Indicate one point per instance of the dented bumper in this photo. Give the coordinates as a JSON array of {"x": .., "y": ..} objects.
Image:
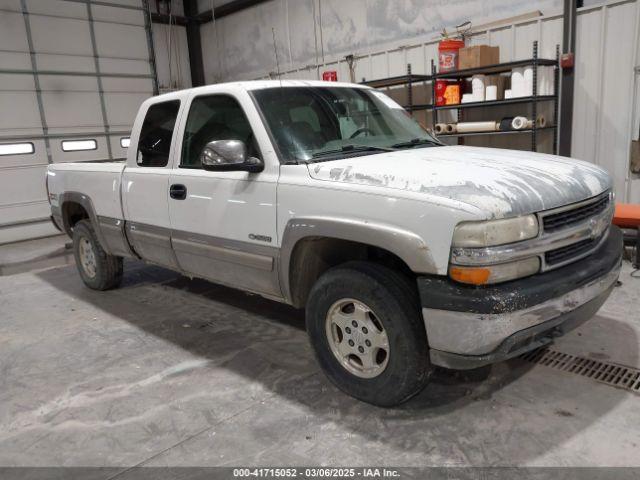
[{"x": 468, "y": 327}]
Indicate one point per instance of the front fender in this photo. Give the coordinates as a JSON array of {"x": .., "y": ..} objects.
[{"x": 405, "y": 244}]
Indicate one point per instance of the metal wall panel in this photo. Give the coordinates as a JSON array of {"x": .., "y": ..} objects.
[
  {"x": 614, "y": 106},
  {"x": 69, "y": 70}
]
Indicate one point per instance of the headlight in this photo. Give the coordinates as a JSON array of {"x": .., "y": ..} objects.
[
  {"x": 495, "y": 273},
  {"x": 495, "y": 232}
]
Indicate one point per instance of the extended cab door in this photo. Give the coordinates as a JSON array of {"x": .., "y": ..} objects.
[
  {"x": 145, "y": 183},
  {"x": 224, "y": 223}
]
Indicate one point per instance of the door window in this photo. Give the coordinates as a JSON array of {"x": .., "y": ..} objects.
[
  {"x": 155, "y": 136},
  {"x": 214, "y": 117}
]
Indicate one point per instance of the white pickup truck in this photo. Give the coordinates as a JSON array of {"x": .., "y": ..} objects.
[{"x": 405, "y": 253}]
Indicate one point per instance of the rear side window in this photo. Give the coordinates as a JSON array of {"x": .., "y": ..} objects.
[{"x": 155, "y": 136}]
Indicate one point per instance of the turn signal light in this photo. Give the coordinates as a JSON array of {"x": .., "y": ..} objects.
[
  {"x": 475, "y": 276},
  {"x": 495, "y": 273}
]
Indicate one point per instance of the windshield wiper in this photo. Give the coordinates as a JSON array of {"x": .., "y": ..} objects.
[
  {"x": 352, "y": 148},
  {"x": 415, "y": 142}
]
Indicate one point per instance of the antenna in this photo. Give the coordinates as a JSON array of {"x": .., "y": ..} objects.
[{"x": 275, "y": 51}]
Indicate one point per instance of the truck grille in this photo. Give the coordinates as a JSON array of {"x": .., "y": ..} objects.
[
  {"x": 567, "y": 218},
  {"x": 562, "y": 254}
]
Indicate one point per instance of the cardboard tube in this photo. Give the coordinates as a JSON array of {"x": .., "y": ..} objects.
[
  {"x": 466, "y": 127},
  {"x": 451, "y": 128},
  {"x": 440, "y": 128},
  {"x": 519, "y": 123},
  {"x": 505, "y": 124},
  {"x": 541, "y": 122}
]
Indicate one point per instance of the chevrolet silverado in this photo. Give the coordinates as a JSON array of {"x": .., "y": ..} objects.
[{"x": 406, "y": 253}]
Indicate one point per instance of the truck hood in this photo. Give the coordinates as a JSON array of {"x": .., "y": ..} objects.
[{"x": 499, "y": 182}]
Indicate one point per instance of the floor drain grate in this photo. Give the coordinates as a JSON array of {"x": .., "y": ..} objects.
[{"x": 618, "y": 376}]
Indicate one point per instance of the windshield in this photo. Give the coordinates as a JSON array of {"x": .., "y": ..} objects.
[{"x": 323, "y": 123}]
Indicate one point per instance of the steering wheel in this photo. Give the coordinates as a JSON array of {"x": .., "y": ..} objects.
[{"x": 360, "y": 131}]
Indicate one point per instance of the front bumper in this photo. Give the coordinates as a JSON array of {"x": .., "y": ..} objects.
[{"x": 468, "y": 327}]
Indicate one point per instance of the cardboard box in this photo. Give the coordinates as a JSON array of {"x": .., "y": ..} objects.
[{"x": 478, "y": 56}]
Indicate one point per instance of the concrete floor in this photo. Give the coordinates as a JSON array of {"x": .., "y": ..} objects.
[{"x": 172, "y": 371}]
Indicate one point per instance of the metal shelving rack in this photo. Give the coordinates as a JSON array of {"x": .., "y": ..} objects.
[
  {"x": 532, "y": 100},
  {"x": 409, "y": 79}
]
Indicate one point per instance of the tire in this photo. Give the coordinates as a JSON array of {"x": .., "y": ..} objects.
[
  {"x": 341, "y": 294},
  {"x": 98, "y": 269}
]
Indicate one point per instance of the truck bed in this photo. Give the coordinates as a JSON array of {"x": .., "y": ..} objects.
[{"x": 99, "y": 181}]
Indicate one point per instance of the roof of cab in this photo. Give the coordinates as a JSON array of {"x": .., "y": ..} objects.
[{"x": 253, "y": 85}]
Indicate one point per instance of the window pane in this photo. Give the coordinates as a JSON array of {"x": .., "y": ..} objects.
[
  {"x": 315, "y": 121},
  {"x": 156, "y": 133},
  {"x": 16, "y": 148},
  {"x": 215, "y": 117},
  {"x": 77, "y": 145}
]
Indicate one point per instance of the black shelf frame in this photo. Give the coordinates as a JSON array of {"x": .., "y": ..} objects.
[
  {"x": 492, "y": 103},
  {"x": 532, "y": 100},
  {"x": 409, "y": 79},
  {"x": 499, "y": 67},
  {"x": 397, "y": 81},
  {"x": 496, "y": 132},
  {"x": 419, "y": 106}
]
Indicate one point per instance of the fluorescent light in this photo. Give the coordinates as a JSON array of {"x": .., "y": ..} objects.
[
  {"x": 124, "y": 142},
  {"x": 16, "y": 148},
  {"x": 76, "y": 145}
]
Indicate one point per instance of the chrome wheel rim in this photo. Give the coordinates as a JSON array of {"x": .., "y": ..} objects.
[
  {"x": 357, "y": 338},
  {"x": 87, "y": 257}
]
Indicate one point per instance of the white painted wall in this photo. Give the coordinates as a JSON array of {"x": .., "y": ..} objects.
[
  {"x": 241, "y": 45},
  {"x": 385, "y": 36}
]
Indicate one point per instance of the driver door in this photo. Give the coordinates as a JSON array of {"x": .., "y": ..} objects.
[{"x": 224, "y": 223}]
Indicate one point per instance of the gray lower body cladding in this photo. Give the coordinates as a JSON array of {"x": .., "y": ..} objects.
[{"x": 468, "y": 327}]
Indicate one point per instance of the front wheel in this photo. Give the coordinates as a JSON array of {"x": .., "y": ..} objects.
[
  {"x": 98, "y": 269},
  {"x": 367, "y": 332}
]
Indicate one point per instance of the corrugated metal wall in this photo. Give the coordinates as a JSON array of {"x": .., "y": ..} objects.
[
  {"x": 69, "y": 70},
  {"x": 607, "y": 52}
]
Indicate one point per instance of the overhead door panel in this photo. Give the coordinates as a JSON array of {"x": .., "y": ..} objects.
[{"x": 72, "y": 75}]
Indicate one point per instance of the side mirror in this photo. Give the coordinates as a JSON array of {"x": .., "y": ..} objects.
[{"x": 229, "y": 155}]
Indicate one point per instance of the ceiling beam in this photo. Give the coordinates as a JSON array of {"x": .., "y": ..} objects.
[
  {"x": 222, "y": 11},
  {"x": 227, "y": 9},
  {"x": 169, "y": 19},
  {"x": 194, "y": 43}
]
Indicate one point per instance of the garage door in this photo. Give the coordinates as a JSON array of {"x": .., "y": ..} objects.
[{"x": 72, "y": 75}]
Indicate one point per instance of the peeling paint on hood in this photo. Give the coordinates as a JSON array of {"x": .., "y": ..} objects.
[{"x": 499, "y": 182}]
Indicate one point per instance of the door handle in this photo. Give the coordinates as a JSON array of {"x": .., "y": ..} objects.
[{"x": 178, "y": 192}]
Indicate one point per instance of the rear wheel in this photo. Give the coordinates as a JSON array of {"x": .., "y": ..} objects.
[
  {"x": 98, "y": 269},
  {"x": 366, "y": 329}
]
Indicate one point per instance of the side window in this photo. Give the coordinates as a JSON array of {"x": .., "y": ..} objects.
[
  {"x": 214, "y": 117},
  {"x": 156, "y": 133}
]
